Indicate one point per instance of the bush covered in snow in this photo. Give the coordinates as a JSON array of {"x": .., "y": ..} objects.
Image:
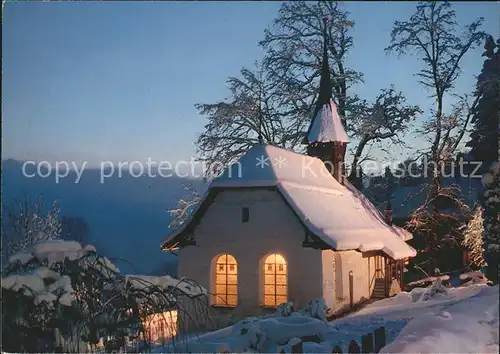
[
  {"x": 316, "y": 309},
  {"x": 58, "y": 285},
  {"x": 285, "y": 309},
  {"x": 425, "y": 294},
  {"x": 250, "y": 331}
]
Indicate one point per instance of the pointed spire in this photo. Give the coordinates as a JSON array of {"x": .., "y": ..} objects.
[
  {"x": 390, "y": 184},
  {"x": 326, "y": 125},
  {"x": 325, "y": 86}
]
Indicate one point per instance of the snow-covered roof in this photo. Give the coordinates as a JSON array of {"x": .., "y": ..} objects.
[
  {"x": 267, "y": 165},
  {"x": 340, "y": 216},
  {"x": 326, "y": 125}
]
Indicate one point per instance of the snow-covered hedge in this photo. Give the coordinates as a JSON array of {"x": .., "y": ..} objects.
[{"x": 60, "y": 284}]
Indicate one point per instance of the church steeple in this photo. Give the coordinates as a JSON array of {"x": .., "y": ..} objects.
[
  {"x": 325, "y": 85},
  {"x": 390, "y": 185},
  {"x": 326, "y": 137}
]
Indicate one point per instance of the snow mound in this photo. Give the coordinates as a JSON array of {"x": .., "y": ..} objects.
[
  {"x": 473, "y": 278},
  {"x": 286, "y": 309},
  {"x": 57, "y": 251},
  {"x": 261, "y": 335},
  {"x": 469, "y": 326},
  {"x": 471, "y": 275},
  {"x": 52, "y": 251},
  {"x": 316, "y": 309},
  {"x": 429, "y": 280},
  {"x": 43, "y": 285},
  {"x": 437, "y": 289}
]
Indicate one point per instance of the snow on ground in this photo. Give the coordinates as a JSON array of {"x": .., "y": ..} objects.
[
  {"x": 466, "y": 326},
  {"x": 462, "y": 320},
  {"x": 465, "y": 320}
]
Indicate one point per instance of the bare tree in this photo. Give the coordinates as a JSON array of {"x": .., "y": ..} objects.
[
  {"x": 387, "y": 118},
  {"x": 27, "y": 223},
  {"x": 431, "y": 33},
  {"x": 184, "y": 206},
  {"x": 252, "y": 112},
  {"x": 276, "y": 99},
  {"x": 294, "y": 45}
]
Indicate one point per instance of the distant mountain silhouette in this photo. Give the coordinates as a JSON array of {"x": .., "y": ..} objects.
[{"x": 127, "y": 216}]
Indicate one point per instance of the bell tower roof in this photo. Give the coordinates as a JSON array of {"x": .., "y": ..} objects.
[{"x": 326, "y": 125}]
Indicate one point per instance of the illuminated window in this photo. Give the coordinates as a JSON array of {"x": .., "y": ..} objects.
[
  {"x": 226, "y": 281},
  {"x": 275, "y": 280},
  {"x": 160, "y": 326}
]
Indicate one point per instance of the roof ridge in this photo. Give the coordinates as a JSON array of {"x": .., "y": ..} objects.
[{"x": 311, "y": 187}]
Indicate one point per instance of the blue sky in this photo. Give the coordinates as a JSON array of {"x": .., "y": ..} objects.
[{"x": 119, "y": 80}]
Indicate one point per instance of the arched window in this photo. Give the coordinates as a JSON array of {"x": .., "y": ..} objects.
[
  {"x": 275, "y": 280},
  {"x": 226, "y": 281}
]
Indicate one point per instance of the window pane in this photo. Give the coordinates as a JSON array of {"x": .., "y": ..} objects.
[
  {"x": 232, "y": 300},
  {"x": 271, "y": 258},
  {"x": 220, "y": 300},
  {"x": 269, "y": 290},
  {"x": 220, "y": 289},
  {"x": 269, "y": 279},
  {"x": 231, "y": 259},
  {"x": 220, "y": 279},
  {"x": 269, "y": 300},
  {"x": 232, "y": 279},
  {"x": 280, "y": 259},
  {"x": 269, "y": 268},
  {"x": 232, "y": 289},
  {"x": 281, "y": 279},
  {"x": 280, "y": 290}
]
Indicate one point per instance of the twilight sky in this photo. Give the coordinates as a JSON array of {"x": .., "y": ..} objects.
[{"x": 118, "y": 80}]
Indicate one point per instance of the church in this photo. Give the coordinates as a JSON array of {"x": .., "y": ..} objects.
[{"x": 278, "y": 226}]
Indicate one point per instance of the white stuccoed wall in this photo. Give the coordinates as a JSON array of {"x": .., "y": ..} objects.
[
  {"x": 273, "y": 228},
  {"x": 336, "y": 268},
  {"x": 355, "y": 262}
]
